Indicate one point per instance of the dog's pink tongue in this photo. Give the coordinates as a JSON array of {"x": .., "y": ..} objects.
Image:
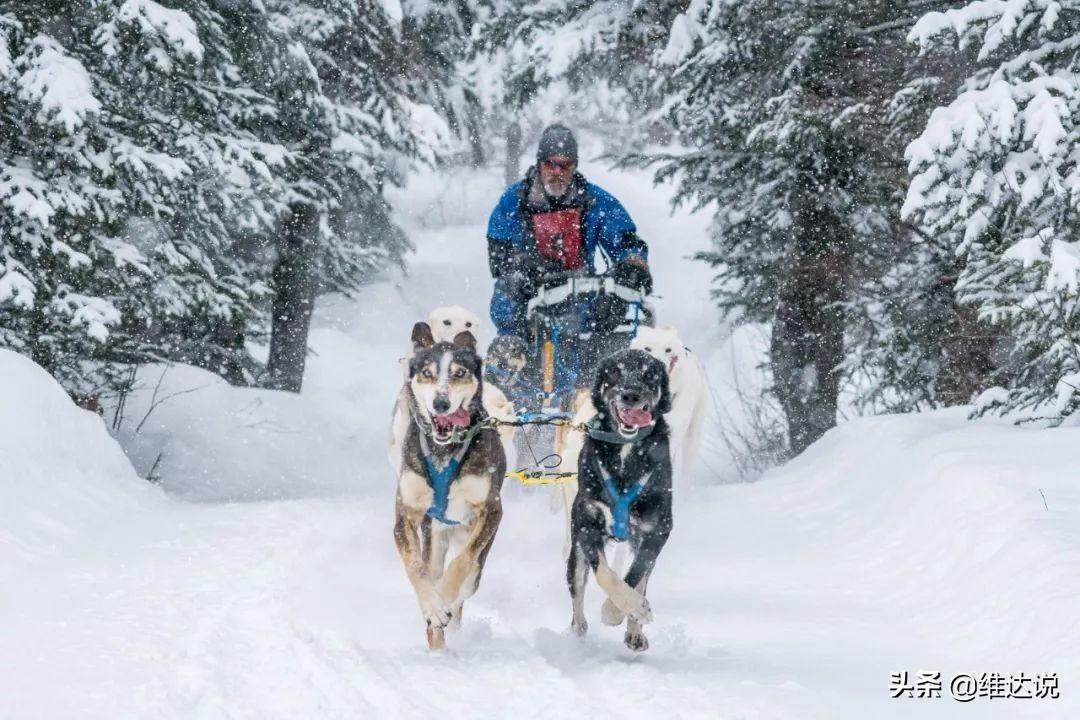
[
  {"x": 635, "y": 417},
  {"x": 459, "y": 418}
]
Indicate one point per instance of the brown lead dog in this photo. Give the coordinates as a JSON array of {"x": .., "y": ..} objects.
[{"x": 452, "y": 469}]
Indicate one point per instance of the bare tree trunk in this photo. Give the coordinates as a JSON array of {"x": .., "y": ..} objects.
[
  {"x": 294, "y": 299},
  {"x": 808, "y": 329},
  {"x": 224, "y": 353},
  {"x": 476, "y": 139},
  {"x": 968, "y": 357},
  {"x": 513, "y": 152}
]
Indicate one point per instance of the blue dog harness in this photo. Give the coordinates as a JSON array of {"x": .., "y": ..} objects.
[
  {"x": 441, "y": 480},
  {"x": 620, "y": 501}
]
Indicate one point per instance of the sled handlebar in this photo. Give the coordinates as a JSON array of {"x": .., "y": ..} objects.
[{"x": 587, "y": 286}]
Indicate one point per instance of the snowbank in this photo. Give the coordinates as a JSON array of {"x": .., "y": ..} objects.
[
  {"x": 962, "y": 537},
  {"x": 61, "y": 475},
  {"x": 203, "y": 439}
]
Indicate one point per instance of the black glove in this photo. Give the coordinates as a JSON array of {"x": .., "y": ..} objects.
[
  {"x": 519, "y": 284},
  {"x": 527, "y": 272},
  {"x": 633, "y": 273}
]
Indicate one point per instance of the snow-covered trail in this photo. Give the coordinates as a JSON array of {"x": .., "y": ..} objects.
[{"x": 896, "y": 544}]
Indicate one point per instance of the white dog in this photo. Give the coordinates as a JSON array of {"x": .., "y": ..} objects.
[
  {"x": 445, "y": 323},
  {"x": 686, "y": 379}
]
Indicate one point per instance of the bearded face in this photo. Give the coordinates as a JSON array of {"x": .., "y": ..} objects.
[{"x": 556, "y": 174}]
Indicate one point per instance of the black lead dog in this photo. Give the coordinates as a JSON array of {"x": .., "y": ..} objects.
[{"x": 624, "y": 494}]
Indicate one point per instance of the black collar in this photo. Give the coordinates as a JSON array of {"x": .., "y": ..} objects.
[{"x": 616, "y": 438}]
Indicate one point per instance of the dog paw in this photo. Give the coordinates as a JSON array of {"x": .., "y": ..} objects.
[
  {"x": 579, "y": 627},
  {"x": 636, "y": 641},
  {"x": 436, "y": 638},
  {"x": 634, "y": 605},
  {"x": 610, "y": 614},
  {"x": 434, "y": 609},
  {"x": 455, "y": 617}
]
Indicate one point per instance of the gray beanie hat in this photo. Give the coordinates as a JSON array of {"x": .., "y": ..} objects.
[{"x": 557, "y": 140}]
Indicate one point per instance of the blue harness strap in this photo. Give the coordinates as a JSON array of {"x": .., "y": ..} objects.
[
  {"x": 440, "y": 483},
  {"x": 620, "y": 505},
  {"x": 441, "y": 480},
  {"x": 543, "y": 416},
  {"x": 620, "y": 501}
]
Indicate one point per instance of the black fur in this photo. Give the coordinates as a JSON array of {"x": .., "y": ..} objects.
[{"x": 635, "y": 374}]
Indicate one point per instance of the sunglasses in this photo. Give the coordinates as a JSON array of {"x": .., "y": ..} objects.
[{"x": 559, "y": 164}]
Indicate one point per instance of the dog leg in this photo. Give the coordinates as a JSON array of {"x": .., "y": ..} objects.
[
  {"x": 436, "y": 637},
  {"x": 635, "y": 636},
  {"x": 410, "y": 536},
  {"x": 435, "y": 553},
  {"x": 577, "y": 572},
  {"x": 463, "y": 574},
  {"x": 399, "y": 427},
  {"x": 568, "y": 491},
  {"x": 457, "y": 608},
  {"x": 455, "y": 616},
  {"x": 611, "y": 615},
  {"x": 623, "y": 596},
  {"x": 638, "y": 577},
  {"x": 588, "y": 532},
  {"x": 628, "y": 600}
]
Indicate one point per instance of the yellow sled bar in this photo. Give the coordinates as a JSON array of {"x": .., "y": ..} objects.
[
  {"x": 549, "y": 366},
  {"x": 539, "y": 477}
]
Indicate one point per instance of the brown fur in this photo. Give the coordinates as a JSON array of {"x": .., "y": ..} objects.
[{"x": 423, "y": 543}]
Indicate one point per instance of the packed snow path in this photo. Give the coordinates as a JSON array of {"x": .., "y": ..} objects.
[{"x": 896, "y": 544}]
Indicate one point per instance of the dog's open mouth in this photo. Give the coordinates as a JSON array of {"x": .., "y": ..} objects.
[
  {"x": 630, "y": 420},
  {"x": 444, "y": 424}
]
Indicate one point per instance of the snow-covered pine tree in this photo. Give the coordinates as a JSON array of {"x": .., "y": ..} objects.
[
  {"x": 996, "y": 176},
  {"x": 157, "y": 158},
  {"x": 910, "y": 344},
  {"x": 176, "y": 82},
  {"x": 790, "y": 111},
  {"x": 57, "y": 290},
  {"x": 352, "y": 120},
  {"x": 103, "y": 151},
  {"x": 437, "y": 37},
  {"x": 593, "y": 59}
]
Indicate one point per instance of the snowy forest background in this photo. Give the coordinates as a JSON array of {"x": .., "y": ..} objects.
[{"x": 894, "y": 184}]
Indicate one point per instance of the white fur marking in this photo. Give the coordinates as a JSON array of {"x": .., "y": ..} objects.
[
  {"x": 415, "y": 491},
  {"x": 444, "y": 371}
]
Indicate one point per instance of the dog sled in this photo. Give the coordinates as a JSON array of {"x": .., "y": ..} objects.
[{"x": 573, "y": 322}]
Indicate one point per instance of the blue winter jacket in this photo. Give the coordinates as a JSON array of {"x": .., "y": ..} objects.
[{"x": 606, "y": 225}]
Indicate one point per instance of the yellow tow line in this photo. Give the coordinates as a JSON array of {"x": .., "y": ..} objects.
[{"x": 540, "y": 477}]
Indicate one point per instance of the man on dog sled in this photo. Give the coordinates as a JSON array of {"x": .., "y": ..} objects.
[
  {"x": 547, "y": 228},
  {"x": 542, "y": 239}
]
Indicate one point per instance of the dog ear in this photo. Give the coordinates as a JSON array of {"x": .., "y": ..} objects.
[
  {"x": 421, "y": 336},
  {"x": 607, "y": 374},
  {"x": 465, "y": 339},
  {"x": 664, "y": 406}
]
